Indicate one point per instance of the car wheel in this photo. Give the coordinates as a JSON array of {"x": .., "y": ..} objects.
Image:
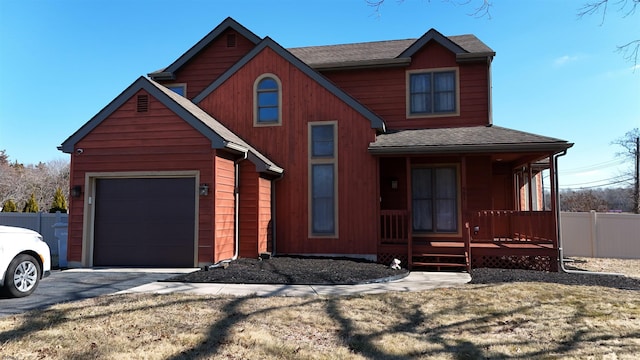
[{"x": 23, "y": 275}]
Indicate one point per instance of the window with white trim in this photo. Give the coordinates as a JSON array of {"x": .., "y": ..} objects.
[
  {"x": 323, "y": 179},
  {"x": 267, "y": 100},
  {"x": 432, "y": 93}
]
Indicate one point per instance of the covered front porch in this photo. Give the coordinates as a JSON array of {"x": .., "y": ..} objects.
[
  {"x": 522, "y": 242},
  {"x": 444, "y": 208}
]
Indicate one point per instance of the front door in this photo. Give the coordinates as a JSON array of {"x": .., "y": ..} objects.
[{"x": 435, "y": 197}]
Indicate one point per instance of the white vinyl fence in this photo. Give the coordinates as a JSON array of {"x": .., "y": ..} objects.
[
  {"x": 42, "y": 223},
  {"x": 600, "y": 235}
]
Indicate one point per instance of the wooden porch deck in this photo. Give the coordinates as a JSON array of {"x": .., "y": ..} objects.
[{"x": 509, "y": 239}]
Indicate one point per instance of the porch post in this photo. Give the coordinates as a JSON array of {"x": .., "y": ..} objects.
[
  {"x": 466, "y": 234},
  {"x": 463, "y": 185},
  {"x": 554, "y": 205},
  {"x": 530, "y": 186},
  {"x": 409, "y": 215}
]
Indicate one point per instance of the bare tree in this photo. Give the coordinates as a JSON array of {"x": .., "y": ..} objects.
[
  {"x": 630, "y": 144},
  {"x": 480, "y": 9},
  {"x": 629, "y": 51},
  {"x": 628, "y": 8},
  {"x": 19, "y": 181},
  {"x": 581, "y": 201}
]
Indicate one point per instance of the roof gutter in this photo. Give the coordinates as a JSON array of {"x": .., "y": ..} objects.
[
  {"x": 476, "y": 56},
  {"x": 162, "y": 75},
  {"x": 233, "y": 147},
  {"x": 362, "y": 64},
  {"x": 480, "y": 148}
]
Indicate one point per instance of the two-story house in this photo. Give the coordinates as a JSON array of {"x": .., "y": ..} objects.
[{"x": 376, "y": 150}]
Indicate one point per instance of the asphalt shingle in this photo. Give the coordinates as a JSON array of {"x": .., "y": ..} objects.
[
  {"x": 475, "y": 138},
  {"x": 377, "y": 50}
]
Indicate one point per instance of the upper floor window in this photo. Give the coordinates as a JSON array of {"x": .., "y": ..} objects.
[
  {"x": 180, "y": 89},
  {"x": 322, "y": 144},
  {"x": 323, "y": 184},
  {"x": 433, "y": 93},
  {"x": 267, "y": 100}
]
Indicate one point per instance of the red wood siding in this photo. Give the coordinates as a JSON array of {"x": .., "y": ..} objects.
[
  {"x": 255, "y": 211},
  {"x": 502, "y": 182},
  {"x": 393, "y": 169},
  {"x": 248, "y": 219},
  {"x": 305, "y": 101},
  {"x": 384, "y": 90},
  {"x": 224, "y": 218},
  {"x": 479, "y": 186},
  {"x": 144, "y": 142},
  {"x": 211, "y": 62},
  {"x": 264, "y": 214}
]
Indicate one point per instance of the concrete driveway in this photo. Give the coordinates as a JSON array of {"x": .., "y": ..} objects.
[{"x": 78, "y": 284}]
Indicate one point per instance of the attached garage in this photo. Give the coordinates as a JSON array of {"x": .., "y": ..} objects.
[
  {"x": 155, "y": 181},
  {"x": 145, "y": 222}
]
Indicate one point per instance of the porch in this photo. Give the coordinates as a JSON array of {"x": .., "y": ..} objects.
[
  {"x": 459, "y": 198},
  {"x": 491, "y": 238}
]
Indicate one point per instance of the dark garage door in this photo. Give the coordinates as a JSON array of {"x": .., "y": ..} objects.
[{"x": 144, "y": 222}]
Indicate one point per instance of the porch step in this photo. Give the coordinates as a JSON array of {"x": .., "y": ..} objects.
[
  {"x": 438, "y": 264},
  {"x": 440, "y": 261},
  {"x": 430, "y": 255}
]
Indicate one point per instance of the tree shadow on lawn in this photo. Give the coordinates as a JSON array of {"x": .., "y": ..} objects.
[
  {"x": 449, "y": 338},
  {"x": 431, "y": 333}
]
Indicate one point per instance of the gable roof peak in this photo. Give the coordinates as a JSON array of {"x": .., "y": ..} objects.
[
  {"x": 376, "y": 121},
  {"x": 228, "y": 23},
  {"x": 218, "y": 134},
  {"x": 430, "y": 35}
]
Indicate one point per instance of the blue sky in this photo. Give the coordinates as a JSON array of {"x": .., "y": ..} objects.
[{"x": 553, "y": 75}]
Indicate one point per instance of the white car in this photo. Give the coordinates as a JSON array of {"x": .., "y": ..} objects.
[{"x": 24, "y": 259}]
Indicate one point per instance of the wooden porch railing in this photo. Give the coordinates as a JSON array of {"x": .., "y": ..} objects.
[
  {"x": 394, "y": 226},
  {"x": 513, "y": 226},
  {"x": 484, "y": 225}
]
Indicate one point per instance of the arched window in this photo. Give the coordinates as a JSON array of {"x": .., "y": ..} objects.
[{"x": 267, "y": 100}]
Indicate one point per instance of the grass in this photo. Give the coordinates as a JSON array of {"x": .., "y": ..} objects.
[{"x": 514, "y": 320}]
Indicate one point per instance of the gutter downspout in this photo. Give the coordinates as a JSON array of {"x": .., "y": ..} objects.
[
  {"x": 559, "y": 231},
  {"x": 236, "y": 220},
  {"x": 273, "y": 213}
]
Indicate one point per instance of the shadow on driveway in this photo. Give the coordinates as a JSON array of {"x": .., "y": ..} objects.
[{"x": 78, "y": 284}]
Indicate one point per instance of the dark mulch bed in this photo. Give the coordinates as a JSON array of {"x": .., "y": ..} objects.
[
  {"x": 295, "y": 270},
  {"x": 493, "y": 276}
]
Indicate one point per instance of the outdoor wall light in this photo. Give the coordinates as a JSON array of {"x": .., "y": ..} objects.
[
  {"x": 76, "y": 191},
  {"x": 204, "y": 189},
  {"x": 394, "y": 184}
]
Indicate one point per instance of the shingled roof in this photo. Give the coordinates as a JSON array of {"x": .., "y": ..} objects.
[
  {"x": 385, "y": 52},
  {"x": 464, "y": 139}
]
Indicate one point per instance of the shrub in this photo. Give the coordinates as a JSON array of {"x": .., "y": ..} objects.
[
  {"x": 31, "y": 205},
  {"x": 9, "y": 206},
  {"x": 59, "y": 202}
]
